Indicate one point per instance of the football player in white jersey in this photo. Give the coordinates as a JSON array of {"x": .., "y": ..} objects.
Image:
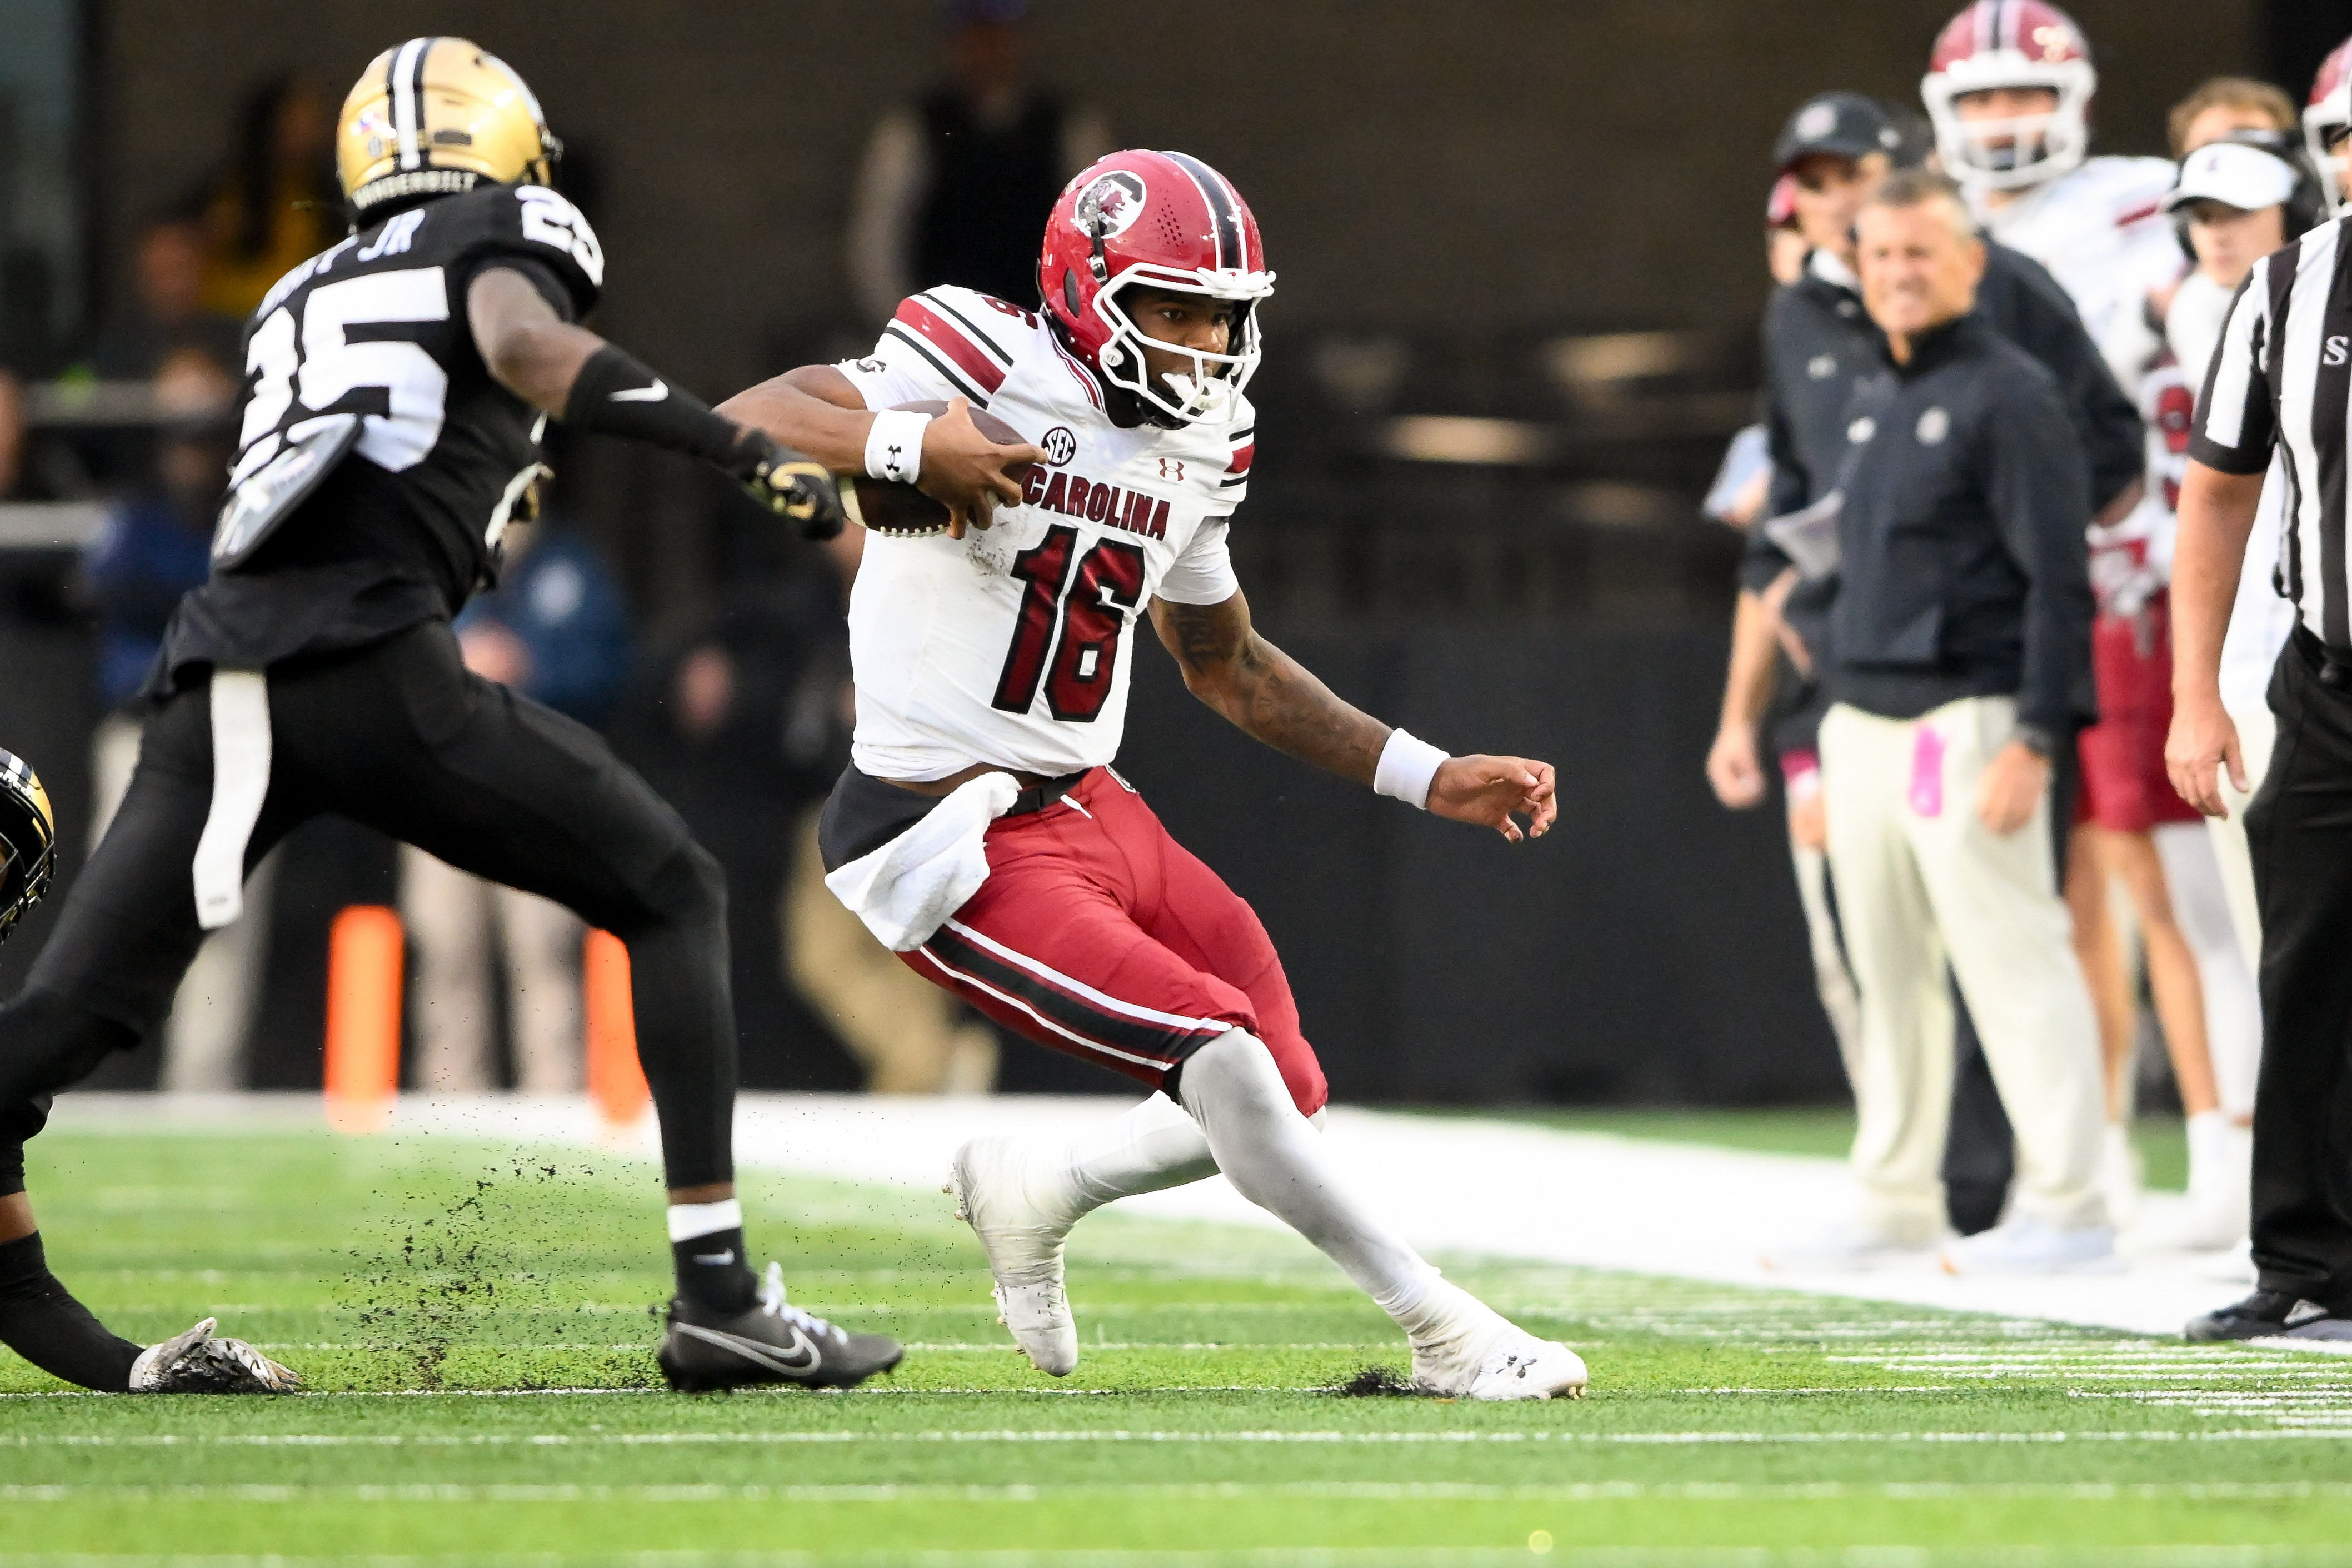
[
  {"x": 2009, "y": 88},
  {"x": 2325, "y": 121},
  {"x": 2239, "y": 196},
  {"x": 980, "y": 831}
]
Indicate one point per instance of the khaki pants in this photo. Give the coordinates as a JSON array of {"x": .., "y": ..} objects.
[
  {"x": 910, "y": 1036},
  {"x": 1831, "y": 976},
  {"x": 1921, "y": 879},
  {"x": 457, "y": 926}
]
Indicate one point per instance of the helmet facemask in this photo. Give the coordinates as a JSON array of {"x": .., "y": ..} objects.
[
  {"x": 1208, "y": 389},
  {"x": 2019, "y": 151}
]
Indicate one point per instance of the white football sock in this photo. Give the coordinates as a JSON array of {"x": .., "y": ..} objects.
[
  {"x": 1273, "y": 1158},
  {"x": 2221, "y": 1165},
  {"x": 1154, "y": 1145},
  {"x": 2233, "y": 1008}
]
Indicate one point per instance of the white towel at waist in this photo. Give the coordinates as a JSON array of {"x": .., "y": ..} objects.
[{"x": 907, "y": 889}]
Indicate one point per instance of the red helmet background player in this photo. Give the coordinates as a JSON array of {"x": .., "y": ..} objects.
[
  {"x": 2327, "y": 119},
  {"x": 2024, "y": 71},
  {"x": 1166, "y": 221}
]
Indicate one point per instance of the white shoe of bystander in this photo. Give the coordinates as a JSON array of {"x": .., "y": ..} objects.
[{"x": 2027, "y": 1246}]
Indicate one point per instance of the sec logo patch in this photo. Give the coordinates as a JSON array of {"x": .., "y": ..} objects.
[{"x": 1060, "y": 445}]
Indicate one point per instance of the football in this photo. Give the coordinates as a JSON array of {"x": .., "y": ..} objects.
[{"x": 905, "y": 511}]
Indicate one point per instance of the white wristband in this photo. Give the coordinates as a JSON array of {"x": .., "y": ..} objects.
[
  {"x": 1407, "y": 768},
  {"x": 894, "y": 448}
]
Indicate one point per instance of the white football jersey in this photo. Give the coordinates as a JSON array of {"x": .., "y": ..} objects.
[
  {"x": 1013, "y": 645},
  {"x": 2101, "y": 230}
]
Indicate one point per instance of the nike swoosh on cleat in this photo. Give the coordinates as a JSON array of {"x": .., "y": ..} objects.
[
  {"x": 716, "y": 1259},
  {"x": 654, "y": 393},
  {"x": 754, "y": 1350}
]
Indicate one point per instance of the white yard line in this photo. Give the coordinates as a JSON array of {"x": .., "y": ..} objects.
[{"x": 1467, "y": 1184}]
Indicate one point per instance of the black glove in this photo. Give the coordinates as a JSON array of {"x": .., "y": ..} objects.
[{"x": 788, "y": 483}]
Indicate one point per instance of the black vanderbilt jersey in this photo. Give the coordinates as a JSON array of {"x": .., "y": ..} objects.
[{"x": 407, "y": 525}]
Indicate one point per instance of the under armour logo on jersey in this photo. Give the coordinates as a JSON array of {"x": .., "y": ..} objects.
[
  {"x": 2334, "y": 354},
  {"x": 1934, "y": 426},
  {"x": 1861, "y": 431},
  {"x": 654, "y": 393},
  {"x": 1820, "y": 367},
  {"x": 1172, "y": 468}
]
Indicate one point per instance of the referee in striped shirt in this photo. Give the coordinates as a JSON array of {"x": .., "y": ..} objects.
[{"x": 2281, "y": 382}]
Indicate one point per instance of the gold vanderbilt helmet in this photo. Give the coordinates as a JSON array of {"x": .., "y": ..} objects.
[
  {"x": 28, "y": 838},
  {"x": 434, "y": 117}
]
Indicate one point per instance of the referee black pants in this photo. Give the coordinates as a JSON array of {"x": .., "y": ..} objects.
[
  {"x": 400, "y": 736},
  {"x": 2300, "y": 830}
]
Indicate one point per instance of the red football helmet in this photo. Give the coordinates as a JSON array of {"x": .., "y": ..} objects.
[
  {"x": 2019, "y": 44},
  {"x": 1169, "y": 221},
  {"x": 2327, "y": 118}
]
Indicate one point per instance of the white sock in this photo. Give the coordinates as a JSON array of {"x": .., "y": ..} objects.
[
  {"x": 2209, "y": 1151},
  {"x": 1272, "y": 1156},
  {"x": 2233, "y": 1007},
  {"x": 1153, "y": 1146}
]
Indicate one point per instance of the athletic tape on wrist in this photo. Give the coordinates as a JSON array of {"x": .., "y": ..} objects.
[
  {"x": 688, "y": 1221},
  {"x": 894, "y": 448},
  {"x": 1407, "y": 768}
]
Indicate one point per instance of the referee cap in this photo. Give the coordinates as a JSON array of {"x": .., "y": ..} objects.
[{"x": 2235, "y": 175}]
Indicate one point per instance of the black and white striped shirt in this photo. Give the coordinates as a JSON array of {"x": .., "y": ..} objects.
[{"x": 2282, "y": 376}]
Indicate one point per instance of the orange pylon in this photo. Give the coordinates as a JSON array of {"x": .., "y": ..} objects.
[
  {"x": 363, "y": 971},
  {"x": 617, "y": 1081}
]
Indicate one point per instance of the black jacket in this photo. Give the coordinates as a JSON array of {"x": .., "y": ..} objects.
[
  {"x": 1964, "y": 564},
  {"x": 1819, "y": 347}
]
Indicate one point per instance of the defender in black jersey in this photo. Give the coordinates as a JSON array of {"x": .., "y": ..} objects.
[{"x": 396, "y": 386}]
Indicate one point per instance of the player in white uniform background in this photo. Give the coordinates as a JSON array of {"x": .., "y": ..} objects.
[
  {"x": 2239, "y": 196},
  {"x": 980, "y": 831},
  {"x": 2009, "y": 90}
]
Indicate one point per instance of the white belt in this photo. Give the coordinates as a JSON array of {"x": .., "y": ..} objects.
[{"x": 240, "y": 707}]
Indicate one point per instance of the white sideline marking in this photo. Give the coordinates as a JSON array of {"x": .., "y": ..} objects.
[
  {"x": 665, "y": 1439},
  {"x": 1572, "y": 1491}
]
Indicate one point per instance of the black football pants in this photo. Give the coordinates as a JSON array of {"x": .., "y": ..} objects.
[
  {"x": 2300, "y": 829},
  {"x": 400, "y": 736}
]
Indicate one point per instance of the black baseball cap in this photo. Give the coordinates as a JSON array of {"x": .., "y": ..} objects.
[{"x": 1842, "y": 125}]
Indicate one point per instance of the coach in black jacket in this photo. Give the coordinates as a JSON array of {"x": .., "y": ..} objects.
[
  {"x": 1959, "y": 662},
  {"x": 1819, "y": 346}
]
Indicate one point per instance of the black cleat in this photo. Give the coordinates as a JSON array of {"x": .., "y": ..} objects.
[
  {"x": 2270, "y": 1315},
  {"x": 199, "y": 1362},
  {"x": 773, "y": 1342}
]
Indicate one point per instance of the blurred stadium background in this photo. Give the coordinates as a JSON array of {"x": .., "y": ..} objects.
[{"x": 1518, "y": 247}]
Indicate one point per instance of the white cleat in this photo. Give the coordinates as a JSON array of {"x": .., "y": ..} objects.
[
  {"x": 1023, "y": 1243},
  {"x": 1484, "y": 1355}
]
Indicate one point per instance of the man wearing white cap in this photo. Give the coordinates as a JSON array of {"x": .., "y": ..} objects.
[{"x": 2230, "y": 203}]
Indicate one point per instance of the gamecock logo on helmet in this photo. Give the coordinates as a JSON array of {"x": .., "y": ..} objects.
[{"x": 1110, "y": 205}]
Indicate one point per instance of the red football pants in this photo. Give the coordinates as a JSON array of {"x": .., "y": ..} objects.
[{"x": 1099, "y": 935}]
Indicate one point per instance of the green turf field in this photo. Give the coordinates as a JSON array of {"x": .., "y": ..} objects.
[{"x": 474, "y": 1329}]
